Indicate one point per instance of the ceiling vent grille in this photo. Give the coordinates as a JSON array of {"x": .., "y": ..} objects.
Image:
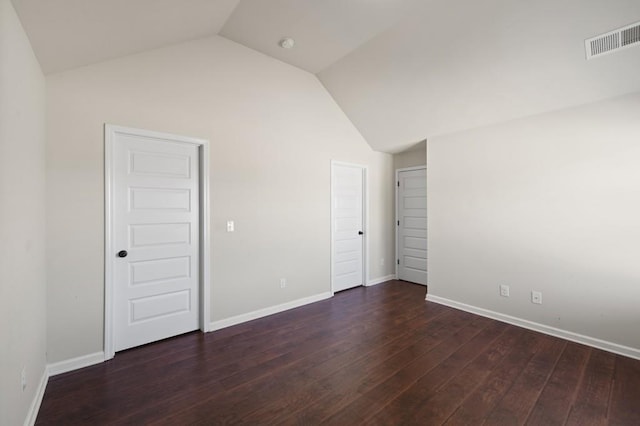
[{"x": 613, "y": 41}]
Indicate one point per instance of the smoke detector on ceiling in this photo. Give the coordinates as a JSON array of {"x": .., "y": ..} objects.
[
  {"x": 287, "y": 43},
  {"x": 613, "y": 41}
]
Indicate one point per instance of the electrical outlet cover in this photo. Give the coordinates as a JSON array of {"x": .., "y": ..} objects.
[
  {"x": 536, "y": 297},
  {"x": 504, "y": 290}
]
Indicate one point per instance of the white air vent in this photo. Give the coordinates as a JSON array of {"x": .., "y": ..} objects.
[{"x": 612, "y": 41}]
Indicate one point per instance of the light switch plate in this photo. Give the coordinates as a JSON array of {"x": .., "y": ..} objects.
[{"x": 230, "y": 226}]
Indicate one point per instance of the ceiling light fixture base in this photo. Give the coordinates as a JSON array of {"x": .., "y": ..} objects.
[{"x": 287, "y": 43}]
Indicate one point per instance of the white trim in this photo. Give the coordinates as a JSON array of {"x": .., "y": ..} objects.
[
  {"x": 365, "y": 219},
  {"x": 381, "y": 280},
  {"x": 75, "y": 363},
  {"x": 34, "y": 408},
  {"x": 332, "y": 216},
  {"x": 365, "y": 225},
  {"x": 395, "y": 223},
  {"x": 545, "y": 329},
  {"x": 109, "y": 260},
  {"x": 205, "y": 239},
  {"x": 260, "y": 313}
]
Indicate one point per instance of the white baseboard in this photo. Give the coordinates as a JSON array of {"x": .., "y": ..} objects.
[
  {"x": 75, "y": 363},
  {"x": 381, "y": 280},
  {"x": 545, "y": 329},
  {"x": 37, "y": 399},
  {"x": 238, "y": 319},
  {"x": 98, "y": 357}
]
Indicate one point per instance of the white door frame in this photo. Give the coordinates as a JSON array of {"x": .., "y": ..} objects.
[
  {"x": 110, "y": 132},
  {"x": 365, "y": 219},
  {"x": 397, "y": 186}
]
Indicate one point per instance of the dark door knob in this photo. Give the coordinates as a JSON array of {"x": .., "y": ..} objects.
[
  {"x": 360, "y": 233},
  {"x": 122, "y": 253}
]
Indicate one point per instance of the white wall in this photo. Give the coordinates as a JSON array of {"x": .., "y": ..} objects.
[
  {"x": 551, "y": 203},
  {"x": 273, "y": 130},
  {"x": 22, "y": 206},
  {"x": 448, "y": 68},
  {"x": 411, "y": 158}
]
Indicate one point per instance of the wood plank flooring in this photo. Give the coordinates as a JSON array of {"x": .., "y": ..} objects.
[{"x": 376, "y": 355}]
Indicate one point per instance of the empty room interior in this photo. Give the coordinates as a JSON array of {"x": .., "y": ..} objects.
[{"x": 319, "y": 212}]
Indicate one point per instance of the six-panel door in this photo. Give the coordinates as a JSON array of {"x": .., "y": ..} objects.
[
  {"x": 347, "y": 226},
  {"x": 156, "y": 221},
  {"x": 412, "y": 226}
]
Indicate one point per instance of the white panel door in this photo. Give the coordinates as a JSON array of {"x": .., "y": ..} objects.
[
  {"x": 412, "y": 226},
  {"x": 347, "y": 226},
  {"x": 155, "y": 235}
]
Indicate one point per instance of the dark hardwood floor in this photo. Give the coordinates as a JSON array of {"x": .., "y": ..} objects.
[{"x": 377, "y": 355}]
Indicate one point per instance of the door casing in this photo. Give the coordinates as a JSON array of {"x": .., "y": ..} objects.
[{"x": 110, "y": 132}]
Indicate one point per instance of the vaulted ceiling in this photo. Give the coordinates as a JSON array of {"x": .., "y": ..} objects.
[{"x": 402, "y": 70}]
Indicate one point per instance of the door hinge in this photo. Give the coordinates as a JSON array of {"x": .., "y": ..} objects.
[
  {"x": 398, "y": 261},
  {"x": 398, "y": 223},
  {"x": 398, "y": 184}
]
